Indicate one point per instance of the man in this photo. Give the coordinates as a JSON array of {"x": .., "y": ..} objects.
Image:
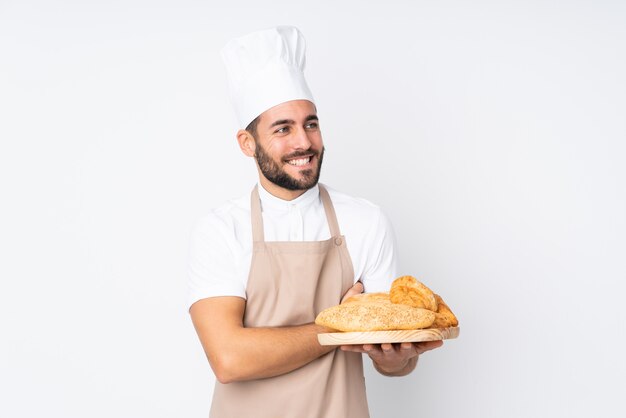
[{"x": 263, "y": 266}]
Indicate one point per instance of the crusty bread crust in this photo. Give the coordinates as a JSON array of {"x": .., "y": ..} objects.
[
  {"x": 369, "y": 297},
  {"x": 374, "y": 316},
  {"x": 408, "y": 305},
  {"x": 444, "y": 317},
  {"x": 407, "y": 290}
]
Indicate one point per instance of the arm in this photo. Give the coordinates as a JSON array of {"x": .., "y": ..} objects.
[
  {"x": 236, "y": 353},
  {"x": 216, "y": 295}
]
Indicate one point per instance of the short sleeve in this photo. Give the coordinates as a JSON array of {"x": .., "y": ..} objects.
[
  {"x": 214, "y": 268},
  {"x": 381, "y": 266}
]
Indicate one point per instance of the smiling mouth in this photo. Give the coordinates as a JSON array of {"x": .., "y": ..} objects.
[{"x": 298, "y": 162}]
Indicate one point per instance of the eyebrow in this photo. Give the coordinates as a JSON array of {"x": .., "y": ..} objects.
[{"x": 291, "y": 121}]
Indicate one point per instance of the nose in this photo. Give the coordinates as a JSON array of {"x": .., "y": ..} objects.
[{"x": 300, "y": 139}]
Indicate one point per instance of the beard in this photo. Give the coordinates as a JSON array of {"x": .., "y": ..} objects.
[{"x": 274, "y": 172}]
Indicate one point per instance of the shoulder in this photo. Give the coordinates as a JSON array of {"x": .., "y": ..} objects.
[
  {"x": 370, "y": 239},
  {"x": 356, "y": 208},
  {"x": 224, "y": 220}
]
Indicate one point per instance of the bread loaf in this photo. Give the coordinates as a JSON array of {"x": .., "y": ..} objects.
[
  {"x": 444, "y": 317},
  {"x": 369, "y": 297},
  {"x": 408, "y": 291},
  {"x": 409, "y": 305},
  {"x": 374, "y": 316}
]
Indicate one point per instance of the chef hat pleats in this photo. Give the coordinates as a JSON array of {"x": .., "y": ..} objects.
[{"x": 265, "y": 69}]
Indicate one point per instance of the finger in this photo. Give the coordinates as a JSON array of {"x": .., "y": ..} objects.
[
  {"x": 354, "y": 290},
  {"x": 425, "y": 346},
  {"x": 386, "y": 348},
  {"x": 373, "y": 350},
  {"x": 352, "y": 348},
  {"x": 407, "y": 348}
]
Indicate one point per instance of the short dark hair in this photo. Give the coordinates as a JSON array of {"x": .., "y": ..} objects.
[{"x": 252, "y": 127}]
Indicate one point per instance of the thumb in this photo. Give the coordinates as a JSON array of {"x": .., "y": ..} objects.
[{"x": 354, "y": 290}]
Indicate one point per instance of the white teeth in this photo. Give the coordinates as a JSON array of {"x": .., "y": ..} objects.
[{"x": 301, "y": 161}]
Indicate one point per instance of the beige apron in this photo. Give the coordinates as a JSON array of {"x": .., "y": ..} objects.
[{"x": 289, "y": 284}]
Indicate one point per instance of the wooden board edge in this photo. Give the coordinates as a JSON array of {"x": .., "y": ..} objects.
[{"x": 378, "y": 337}]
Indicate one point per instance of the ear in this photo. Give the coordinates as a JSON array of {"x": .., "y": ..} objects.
[{"x": 246, "y": 142}]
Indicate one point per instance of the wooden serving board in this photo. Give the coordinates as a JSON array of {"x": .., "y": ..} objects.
[{"x": 379, "y": 337}]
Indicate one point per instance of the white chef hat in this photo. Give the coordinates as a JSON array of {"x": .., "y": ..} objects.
[{"x": 265, "y": 69}]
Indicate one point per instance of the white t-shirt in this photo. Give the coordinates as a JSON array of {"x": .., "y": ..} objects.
[{"x": 221, "y": 241}]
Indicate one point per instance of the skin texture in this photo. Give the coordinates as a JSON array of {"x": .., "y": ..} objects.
[
  {"x": 233, "y": 350},
  {"x": 394, "y": 359},
  {"x": 298, "y": 136},
  {"x": 285, "y": 132}
]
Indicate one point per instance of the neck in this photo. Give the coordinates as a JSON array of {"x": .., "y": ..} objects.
[{"x": 280, "y": 192}]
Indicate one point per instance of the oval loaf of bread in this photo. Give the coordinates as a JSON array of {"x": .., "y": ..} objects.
[
  {"x": 409, "y": 305},
  {"x": 374, "y": 316}
]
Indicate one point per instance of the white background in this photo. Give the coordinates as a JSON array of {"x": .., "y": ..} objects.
[{"x": 492, "y": 134}]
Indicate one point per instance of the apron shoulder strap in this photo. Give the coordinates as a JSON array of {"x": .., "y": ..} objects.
[
  {"x": 331, "y": 216},
  {"x": 257, "y": 218}
]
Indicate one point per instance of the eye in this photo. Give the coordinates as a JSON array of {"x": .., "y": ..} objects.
[
  {"x": 282, "y": 130},
  {"x": 312, "y": 125}
]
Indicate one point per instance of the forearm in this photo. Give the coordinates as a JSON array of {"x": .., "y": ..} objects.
[{"x": 255, "y": 353}]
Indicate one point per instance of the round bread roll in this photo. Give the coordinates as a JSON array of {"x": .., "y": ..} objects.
[{"x": 407, "y": 290}]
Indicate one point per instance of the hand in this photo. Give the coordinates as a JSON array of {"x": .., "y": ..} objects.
[
  {"x": 394, "y": 359},
  {"x": 354, "y": 290}
]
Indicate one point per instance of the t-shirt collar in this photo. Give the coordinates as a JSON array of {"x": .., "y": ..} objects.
[{"x": 269, "y": 201}]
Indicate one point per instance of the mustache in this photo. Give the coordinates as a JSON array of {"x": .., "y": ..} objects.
[{"x": 297, "y": 154}]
